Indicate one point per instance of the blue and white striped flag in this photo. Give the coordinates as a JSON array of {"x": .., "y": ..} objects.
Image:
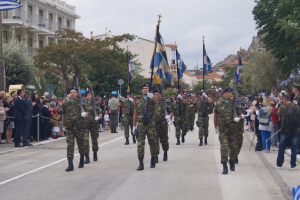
[
  {"x": 181, "y": 66},
  {"x": 239, "y": 71},
  {"x": 9, "y": 4},
  {"x": 131, "y": 68},
  {"x": 296, "y": 192},
  {"x": 206, "y": 61}
]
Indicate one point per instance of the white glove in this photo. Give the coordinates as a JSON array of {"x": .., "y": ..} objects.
[
  {"x": 171, "y": 122},
  {"x": 167, "y": 117},
  {"x": 204, "y": 94},
  {"x": 64, "y": 128},
  {"x": 216, "y": 131},
  {"x": 179, "y": 96},
  {"x": 150, "y": 95},
  {"x": 130, "y": 99},
  {"x": 237, "y": 119},
  {"x": 96, "y": 118},
  {"x": 243, "y": 116},
  {"x": 133, "y": 130},
  {"x": 122, "y": 115},
  {"x": 257, "y": 112},
  {"x": 84, "y": 114}
]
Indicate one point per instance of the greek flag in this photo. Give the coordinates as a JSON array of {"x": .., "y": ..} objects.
[
  {"x": 161, "y": 60},
  {"x": 131, "y": 68},
  {"x": 206, "y": 61},
  {"x": 10, "y": 4},
  {"x": 239, "y": 71},
  {"x": 181, "y": 66},
  {"x": 296, "y": 192}
]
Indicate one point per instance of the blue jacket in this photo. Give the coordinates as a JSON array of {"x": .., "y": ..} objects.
[
  {"x": 263, "y": 112},
  {"x": 28, "y": 109},
  {"x": 19, "y": 109}
]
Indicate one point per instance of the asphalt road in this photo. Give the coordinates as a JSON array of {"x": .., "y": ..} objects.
[{"x": 191, "y": 172}]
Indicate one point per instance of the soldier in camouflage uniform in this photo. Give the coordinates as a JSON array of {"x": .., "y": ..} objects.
[
  {"x": 73, "y": 122},
  {"x": 203, "y": 107},
  {"x": 180, "y": 121},
  {"x": 128, "y": 107},
  {"x": 190, "y": 112},
  {"x": 239, "y": 135},
  {"x": 91, "y": 125},
  {"x": 113, "y": 105},
  {"x": 225, "y": 122},
  {"x": 146, "y": 126},
  {"x": 161, "y": 125}
]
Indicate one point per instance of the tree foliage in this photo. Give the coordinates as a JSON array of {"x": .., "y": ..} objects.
[
  {"x": 279, "y": 20},
  {"x": 19, "y": 66}
]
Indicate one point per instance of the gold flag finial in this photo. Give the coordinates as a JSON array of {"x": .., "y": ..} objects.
[
  {"x": 159, "y": 16},
  {"x": 203, "y": 39}
]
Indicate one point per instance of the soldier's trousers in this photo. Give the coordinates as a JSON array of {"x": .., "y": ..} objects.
[
  {"x": 228, "y": 145},
  {"x": 148, "y": 130},
  {"x": 113, "y": 118},
  {"x": 128, "y": 122},
  {"x": 94, "y": 136},
  {"x": 239, "y": 141},
  {"x": 203, "y": 126},
  {"x": 161, "y": 129},
  {"x": 181, "y": 125},
  {"x": 192, "y": 119},
  {"x": 71, "y": 135}
]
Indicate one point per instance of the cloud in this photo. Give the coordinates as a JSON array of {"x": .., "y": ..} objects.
[{"x": 226, "y": 25}]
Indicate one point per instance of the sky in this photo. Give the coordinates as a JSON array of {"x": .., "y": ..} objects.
[{"x": 226, "y": 24}]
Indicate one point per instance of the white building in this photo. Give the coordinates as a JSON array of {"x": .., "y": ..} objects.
[
  {"x": 144, "y": 48},
  {"x": 36, "y": 21}
]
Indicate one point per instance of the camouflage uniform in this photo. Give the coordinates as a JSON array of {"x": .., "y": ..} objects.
[
  {"x": 203, "y": 108},
  {"x": 179, "y": 121},
  {"x": 161, "y": 126},
  {"x": 227, "y": 128},
  {"x": 239, "y": 134},
  {"x": 91, "y": 126},
  {"x": 145, "y": 129},
  {"x": 128, "y": 109},
  {"x": 190, "y": 114},
  {"x": 75, "y": 126}
]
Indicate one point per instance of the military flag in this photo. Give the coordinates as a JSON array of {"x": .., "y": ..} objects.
[
  {"x": 239, "y": 71},
  {"x": 206, "y": 61},
  {"x": 131, "y": 68},
  {"x": 181, "y": 66},
  {"x": 10, "y": 4}
]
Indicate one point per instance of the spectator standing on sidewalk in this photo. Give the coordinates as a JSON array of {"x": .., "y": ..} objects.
[
  {"x": 266, "y": 112},
  {"x": 28, "y": 109},
  {"x": 275, "y": 120},
  {"x": 36, "y": 111},
  {"x": 289, "y": 135},
  {"x": 20, "y": 119},
  {"x": 46, "y": 119},
  {"x": 296, "y": 100},
  {"x": 2, "y": 118},
  {"x": 9, "y": 103}
]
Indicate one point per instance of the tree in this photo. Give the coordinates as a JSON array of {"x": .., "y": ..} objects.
[
  {"x": 279, "y": 21},
  {"x": 19, "y": 66},
  {"x": 170, "y": 92}
]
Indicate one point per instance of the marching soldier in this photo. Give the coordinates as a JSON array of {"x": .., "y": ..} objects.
[
  {"x": 203, "y": 107},
  {"x": 113, "y": 105},
  {"x": 128, "y": 107},
  {"x": 190, "y": 112},
  {"x": 146, "y": 125},
  {"x": 161, "y": 125},
  {"x": 179, "y": 117},
  {"x": 73, "y": 122},
  {"x": 91, "y": 125},
  {"x": 225, "y": 122}
]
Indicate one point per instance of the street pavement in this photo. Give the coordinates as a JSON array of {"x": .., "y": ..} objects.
[{"x": 191, "y": 172}]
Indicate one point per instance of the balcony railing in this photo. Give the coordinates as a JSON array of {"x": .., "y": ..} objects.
[{"x": 33, "y": 20}]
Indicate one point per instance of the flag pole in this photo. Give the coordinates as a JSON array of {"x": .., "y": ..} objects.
[
  {"x": 129, "y": 87},
  {"x": 178, "y": 85},
  {"x": 203, "y": 63},
  {"x": 154, "y": 55}
]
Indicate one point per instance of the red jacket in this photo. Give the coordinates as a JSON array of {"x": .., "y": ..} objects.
[{"x": 275, "y": 117}]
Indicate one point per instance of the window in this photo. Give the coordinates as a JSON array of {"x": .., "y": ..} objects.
[
  {"x": 29, "y": 14},
  {"x": 5, "y": 37},
  {"x": 50, "y": 17},
  {"x": 41, "y": 14},
  {"x": 59, "y": 22},
  {"x": 30, "y": 9},
  {"x": 30, "y": 42},
  {"x": 41, "y": 43},
  {"x": 19, "y": 38},
  {"x": 68, "y": 24}
]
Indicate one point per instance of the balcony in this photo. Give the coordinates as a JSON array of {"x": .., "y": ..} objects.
[{"x": 27, "y": 19}]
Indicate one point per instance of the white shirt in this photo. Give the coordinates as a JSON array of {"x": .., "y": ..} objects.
[{"x": 106, "y": 118}]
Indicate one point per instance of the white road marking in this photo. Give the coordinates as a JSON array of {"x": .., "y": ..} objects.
[{"x": 45, "y": 166}]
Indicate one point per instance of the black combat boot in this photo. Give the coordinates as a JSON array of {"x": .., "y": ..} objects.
[
  {"x": 70, "y": 166},
  {"x": 152, "y": 165},
  {"x": 156, "y": 159},
  {"x": 133, "y": 138},
  {"x": 178, "y": 141},
  {"x": 81, "y": 162},
  {"x": 205, "y": 140},
  {"x": 201, "y": 142},
  {"x": 141, "y": 167},
  {"x": 231, "y": 165},
  {"x": 95, "y": 156},
  {"x": 182, "y": 139},
  {"x": 236, "y": 160},
  {"x": 112, "y": 130},
  {"x": 116, "y": 130},
  {"x": 225, "y": 168},
  {"x": 165, "y": 156},
  {"x": 127, "y": 141},
  {"x": 87, "y": 158}
]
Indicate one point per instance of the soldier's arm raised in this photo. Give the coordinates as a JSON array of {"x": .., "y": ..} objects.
[
  {"x": 216, "y": 120},
  {"x": 209, "y": 99}
]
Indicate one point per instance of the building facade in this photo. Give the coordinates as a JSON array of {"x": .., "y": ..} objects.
[{"x": 36, "y": 21}]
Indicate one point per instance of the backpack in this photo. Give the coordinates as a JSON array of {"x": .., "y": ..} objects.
[{"x": 292, "y": 118}]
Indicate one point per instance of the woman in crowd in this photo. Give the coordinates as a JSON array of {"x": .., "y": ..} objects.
[
  {"x": 2, "y": 118},
  {"x": 36, "y": 111},
  {"x": 9, "y": 103},
  {"x": 275, "y": 120},
  {"x": 266, "y": 111}
]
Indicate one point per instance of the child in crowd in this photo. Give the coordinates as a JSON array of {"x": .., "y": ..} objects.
[
  {"x": 55, "y": 127},
  {"x": 106, "y": 120}
]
